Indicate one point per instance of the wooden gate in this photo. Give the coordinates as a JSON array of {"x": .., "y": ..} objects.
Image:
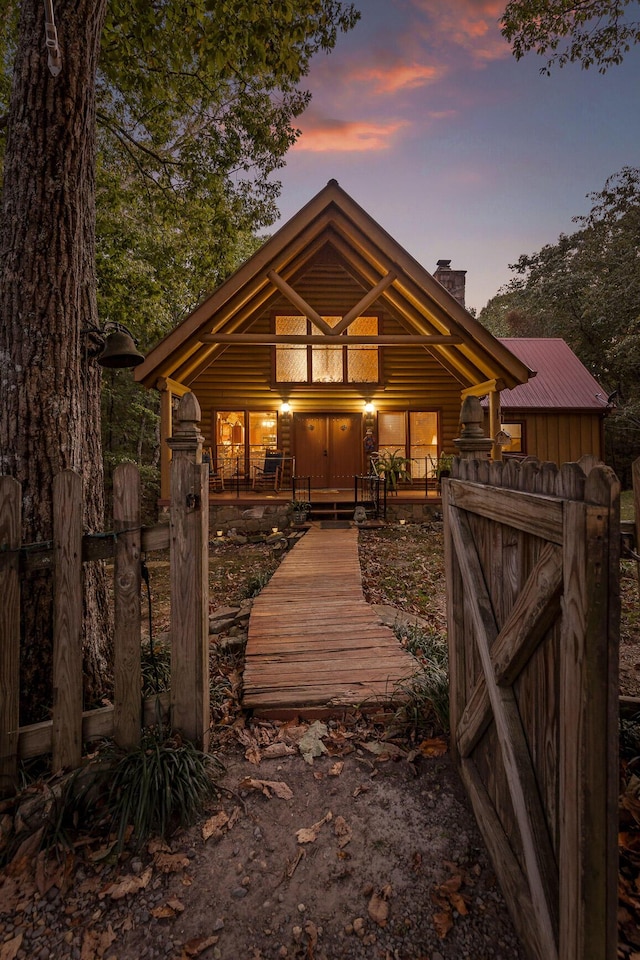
[{"x": 532, "y": 557}]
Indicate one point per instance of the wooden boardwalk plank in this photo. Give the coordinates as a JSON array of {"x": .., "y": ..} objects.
[{"x": 313, "y": 640}]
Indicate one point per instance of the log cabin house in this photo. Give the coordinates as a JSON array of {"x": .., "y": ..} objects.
[{"x": 330, "y": 330}]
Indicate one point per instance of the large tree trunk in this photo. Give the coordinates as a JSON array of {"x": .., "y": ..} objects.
[{"x": 50, "y": 383}]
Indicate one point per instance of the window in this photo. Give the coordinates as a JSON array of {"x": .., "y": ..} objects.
[
  {"x": 420, "y": 439},
  {"x": 333, "y": 363},
  {"x": 423, "y": 431},
  {"x": 515, "y": 431},
  {"x": 242, "y": 438}
]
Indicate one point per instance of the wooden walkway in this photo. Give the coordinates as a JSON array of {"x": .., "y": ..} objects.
[{"x": 314, "y": 643}]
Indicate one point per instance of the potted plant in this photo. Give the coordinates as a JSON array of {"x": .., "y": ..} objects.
[
  {"x": 393, "y": 467},
  {"x": 301, "y": 510},
  {"x": 444, "y": 465}
]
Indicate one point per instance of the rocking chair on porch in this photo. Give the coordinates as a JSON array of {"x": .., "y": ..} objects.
[{"x": 267, "y": 477}]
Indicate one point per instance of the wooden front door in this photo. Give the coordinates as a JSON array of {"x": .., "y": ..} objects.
[{"x": 328, "y": 448}]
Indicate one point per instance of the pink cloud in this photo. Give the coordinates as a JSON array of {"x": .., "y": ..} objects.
[
  {"x": 321, "y": 135},
  {"x": 470, "y": 24},
  {"x": 399, "y": 76}
]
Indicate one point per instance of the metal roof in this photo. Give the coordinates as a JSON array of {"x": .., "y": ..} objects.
[{"x": 561, "y": 379}]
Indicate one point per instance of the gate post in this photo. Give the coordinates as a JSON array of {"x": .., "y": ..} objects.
[
  {"x": 189, "y": 560},
  {"x": 472, "y": 443}
]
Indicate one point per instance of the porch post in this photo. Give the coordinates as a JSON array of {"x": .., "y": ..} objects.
[{"x": 494, "y": 424}]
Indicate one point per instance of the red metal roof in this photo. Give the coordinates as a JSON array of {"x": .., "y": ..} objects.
[{"x": 561, "y": 379}]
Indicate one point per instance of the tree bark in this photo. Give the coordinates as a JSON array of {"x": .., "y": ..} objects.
[{"x": 50, "y": 383}]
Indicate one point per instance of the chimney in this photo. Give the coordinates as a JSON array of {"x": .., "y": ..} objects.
[{"x": 451, "y": 280}]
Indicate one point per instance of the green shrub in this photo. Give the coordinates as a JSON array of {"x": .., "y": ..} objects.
[{"x": 148, "y": 791}]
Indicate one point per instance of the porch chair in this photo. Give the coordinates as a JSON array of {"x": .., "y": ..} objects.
[
  {"x": 267, "y": 477},
  {"x": 216, "y": 474}
]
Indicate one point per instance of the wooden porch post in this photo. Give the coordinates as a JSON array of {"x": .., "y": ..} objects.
[
  {"x": 494, "y": 424},
  {"x": 189, "y": 539}
]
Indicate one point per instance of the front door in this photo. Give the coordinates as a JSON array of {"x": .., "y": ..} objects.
[{"x": 328, "y": 448}]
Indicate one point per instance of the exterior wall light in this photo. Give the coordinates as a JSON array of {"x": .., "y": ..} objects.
[
  {"x": 285, "y": 408},
  {"x": 369, "y": 407}
]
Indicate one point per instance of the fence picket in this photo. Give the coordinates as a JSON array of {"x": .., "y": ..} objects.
[
  {"x": 127, "y": 699},
  {"x": 67, "y": 624},
  {"x": 10, "y": 520}
]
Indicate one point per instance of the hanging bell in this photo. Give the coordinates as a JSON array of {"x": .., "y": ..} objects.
[{"x": 120, "y": 351}]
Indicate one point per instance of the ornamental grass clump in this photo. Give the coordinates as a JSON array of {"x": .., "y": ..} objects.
[
  {"x": 132, "y": 795},
  {"x": 425, "y": 696},
  {"x": 157, "y": 787}
]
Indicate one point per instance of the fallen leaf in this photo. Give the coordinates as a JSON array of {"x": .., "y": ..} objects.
[
  {"x": 268, "y": 787},
  {"x": 310, "y": 834},
  {"x": 379, "y": 906},
  {"x": 342, "y": 831},
  {"x": 443, "y": 922},
  {"x": 384, "y": 751},
  {"x": 311, "y": 745},
  {"x": 127, "y": 885},
  {"x": 168, "y": 910},
  {"x": 52, "y": 873},
  {"x": 253, "y": 755},
  {"x": 363, "y": 788},
  {"x": 214, "y": 826},
  {"x": 158, "y": 846},
  {"x": 171, "y": 862},
  {"x": 276, "y": 750},
  {"x": 9, "y": 949},
  {"x": 95, "y": 943},
  {"x": 193, "y": 948},
  {"x": 337, "y": 768},
  {"x": 435, "y": 747}
]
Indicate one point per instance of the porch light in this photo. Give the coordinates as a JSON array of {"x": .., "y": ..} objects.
[
  {"x": 369, "y": 407},
  {"x": 285, "y": 408}
]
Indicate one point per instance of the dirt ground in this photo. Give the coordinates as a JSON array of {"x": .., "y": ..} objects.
[{"x": 391, "y": 866}]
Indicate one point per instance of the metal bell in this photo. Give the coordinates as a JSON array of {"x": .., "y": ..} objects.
[{"x": 120, "y": 351}]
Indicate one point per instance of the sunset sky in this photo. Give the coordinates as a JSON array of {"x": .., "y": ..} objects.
[{"x": 460, "y": 152}]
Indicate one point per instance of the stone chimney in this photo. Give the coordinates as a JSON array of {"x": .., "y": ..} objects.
[{"x": 451, "y": 280}]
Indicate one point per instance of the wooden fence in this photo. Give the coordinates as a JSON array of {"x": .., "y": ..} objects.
[
  {"x": 532, "y": 555},
  {"x": 187, "y": 536}
]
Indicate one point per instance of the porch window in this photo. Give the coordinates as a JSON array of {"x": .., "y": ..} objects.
[
  {"x": 392, "y": 433},
  {"x": 299, "y": 363},
  {"x": 423, "y": 432},
  {"x": 413, "y": 435},
  {"x": 243, "y": 437}
]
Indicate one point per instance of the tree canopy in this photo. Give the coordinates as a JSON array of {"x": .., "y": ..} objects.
[
  {"x": 585, "y": 288},
  {"x": 170, "y": 119},
  {"x": 589, "y": 32}
]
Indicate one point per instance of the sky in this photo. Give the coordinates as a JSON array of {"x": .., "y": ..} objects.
[{"x": 425, "y": 118}]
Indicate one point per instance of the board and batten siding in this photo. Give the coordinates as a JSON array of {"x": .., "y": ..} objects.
[{"x": 561, "y": 437}]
